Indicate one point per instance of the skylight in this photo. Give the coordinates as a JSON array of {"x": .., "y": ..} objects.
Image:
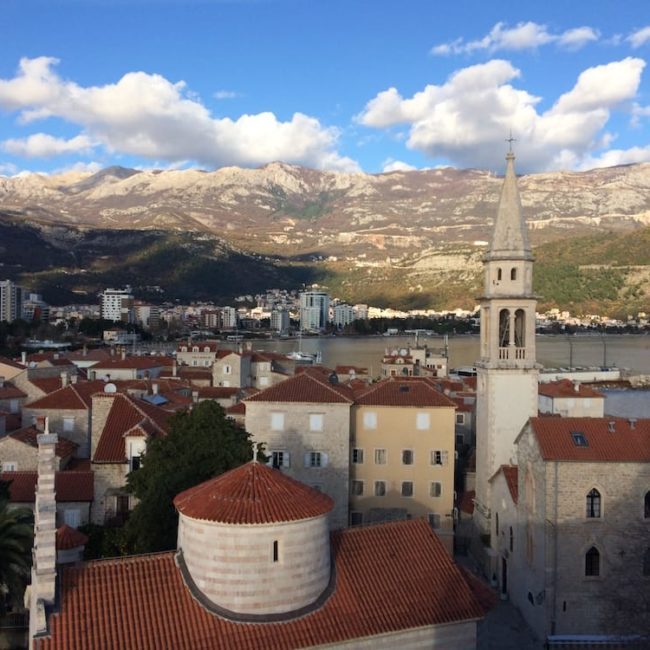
[{"x": 579, "y": 439}]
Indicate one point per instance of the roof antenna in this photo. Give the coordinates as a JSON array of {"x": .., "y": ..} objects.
[{"x": 254, "y": 452}]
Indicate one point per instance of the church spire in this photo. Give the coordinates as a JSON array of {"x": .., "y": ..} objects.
[{"x": 509, "y": 238}]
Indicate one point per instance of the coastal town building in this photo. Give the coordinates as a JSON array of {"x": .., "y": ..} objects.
[
  {"x": 117, "y": 305},
  {"x": 570, "y": 399},
  {"x": 11, "y": 301},
  {"x": 314, "y": 310}
]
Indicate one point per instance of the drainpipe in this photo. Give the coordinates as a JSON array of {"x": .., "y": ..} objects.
[{"x": 555, "y": 543}]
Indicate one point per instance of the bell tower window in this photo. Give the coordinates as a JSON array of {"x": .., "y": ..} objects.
[
  {"x": 504, "y": 328},
  {"x": 513, "y": 273},
  {"x": 499, "y": 274},
  {"x": 520, "y": 328}
]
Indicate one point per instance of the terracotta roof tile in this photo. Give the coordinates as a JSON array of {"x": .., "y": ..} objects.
[
  {"x": 11, "y": 363},
  {"x": 46, "y": 384},
  {"x": 403, "y": 391},
  {"x": 68, "y": 538},
  {"x": 138, "y": 363},
  {"x": 567, "y": 388},
  {"x": 389, "y": 578},
  {"x": 218, "y": 392},
  {"x": 253, "y": 494},
  {"x": 627, "y": 442},
  {"x": 69, "y": 486},
  {"x": 125, "y": 414},
  {"x": 69, "y": 398},
  {"x": 310, "y": 387},
  {"x": 28, "y": 436},
  {"x": 237, "y": 409},
  {"x": 346, "y": 370},
  {"x": 9, "y": 391}
]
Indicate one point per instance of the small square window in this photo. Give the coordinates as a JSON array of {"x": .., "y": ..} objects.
[
  {"x": 439, "y": 457},
  {"x": 407, "y": 488},
  {"x": 380, "y": 456},
  {"x": 460, "y": 418},
  {"x": 277, "y": 421},
  {"x": 436, "y": 489},
  {"x": 315, "y": 421},
  {"x": 579, "y": 439},
  {"x": 280, "y": 459},
  {"x": 68, "y": 425},
  {"x": 407, "y": 457},
  {"x": 369, "y": 420},
  {"x": 422, "y": 421},
  {"x": 356, "y": 518},
  {"x": 380, "y": 488},
  {"x": 357, "y": 456},
  {"x": 357, "y": 488}
]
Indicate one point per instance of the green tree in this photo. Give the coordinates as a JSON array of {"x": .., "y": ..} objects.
[
  {"x": 202, "y": 443},
  {"x": 16, "y": 540}
]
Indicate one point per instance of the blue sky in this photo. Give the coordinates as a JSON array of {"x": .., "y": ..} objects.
[{"x": 340, "y": 85}]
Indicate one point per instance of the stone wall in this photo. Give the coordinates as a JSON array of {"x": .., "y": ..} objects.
[
  {"x": 25, "y": 456},
  {"x": 79, "y": 433},
  {"x": 108, "y": 477}
]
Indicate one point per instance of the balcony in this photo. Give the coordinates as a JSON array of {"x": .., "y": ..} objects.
[{"x": 512, "y": 353}]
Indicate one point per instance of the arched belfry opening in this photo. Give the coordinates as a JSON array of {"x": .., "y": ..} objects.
[
  {"x": 520, "y": 328},
  {"x": 504, "y": 328}
]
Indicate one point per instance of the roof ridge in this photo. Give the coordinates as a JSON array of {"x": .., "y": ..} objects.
[{"x": 326, "y": 384}]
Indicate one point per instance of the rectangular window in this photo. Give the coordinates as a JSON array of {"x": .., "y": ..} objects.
[
  {"x": 357, "y": 488},
  {"x": 380, "y": 456},
  {"x": 315, "y": 459},
  {"x": 357, "y": 456},
  {"x": 72, "y": 518},
  {"x": 356, "y": 518},
  {"x": 136, "y": 463},
  {"x": 280, "y": 459},
  {"x": 276, "y": 551},
  {"x": 439, "y": 457},
  {"x": 227, "y": 370},
  {"x": 407, "y": 488},
  {"x": 10, "y": 466},
  {"x": 435, "y": 489},
  {"x": 68, "y": 425},
  {"x": 434, "y": 520},
  {"x": 315, "y": 421},
  {"x": 380, "y": 488},
  {"x": 422, "y": 421},
  {"x": 407, "y": 457},
  {"x": 277, "y": 421},
  {"x": 369, "y": 420},
  {"x": 460, "y": 418}
]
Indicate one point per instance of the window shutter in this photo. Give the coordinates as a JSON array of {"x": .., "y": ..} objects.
[
  {"x": 307, "y": 460},
  {"x": 324, "y": 459},
  {"x": 285, "y": 459},
  {"x": 444, "y": 456}
]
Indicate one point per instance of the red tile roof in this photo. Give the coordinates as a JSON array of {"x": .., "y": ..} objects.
[
  {"x": 389, "y": 578},
  {"x": 309, "y": 386},
  {"x": 217, "y": 392},
  {"x": 403, "y": 391},
  {"x": 346, "y": 370},
  {"x": 237, "y": 409},
  {"x": 11, "y": 363},
  {"x": 125, "y": 414},
  {"x": 69, "y": 486},
  {"x": 138, "y": 363},
  {"x": 73, "y": 397},
  {"x": 28, "y": 435},
  {"x": 212, "y": 345},
  {"x": 46, "y": 384},
  {"x": 68, "y": 538},
  {"x": 626, "y": 443},
  {"x": 567, "y": 388},
  {"x": 511, "y": 474},
  {"x": 9, "y": 391},
  {"x": 253, "y": 494}
]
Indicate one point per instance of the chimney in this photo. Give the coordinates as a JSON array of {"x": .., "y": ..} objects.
[
  {"x": 23, "y": 358},
  {"x": 611, "y": 426},
  {"x": 123, "y": 355},
  {"x": 39, "y": 423},
  {"x": 576, "y": 386},
  {"x": 154, "y": 388},
  {"x": 42, "y": 588},
  {"x": 632, "y": 422},
  {"x": 64, "y": 379},
  {"x": 195, "y": 396},
  {"x": 74, "y": 379},
  {"x": 174, "y": 369}
]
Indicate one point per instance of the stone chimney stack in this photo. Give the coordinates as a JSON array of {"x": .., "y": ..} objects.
[
  {"x": 43, "y": 586},
  {"x": 23, "y": 358},
  {"x": 174, "y": 369},
  {"x": 64, "y": 379}
]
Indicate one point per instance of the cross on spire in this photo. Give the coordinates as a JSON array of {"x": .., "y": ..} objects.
[{"x": 510, "y": 140}]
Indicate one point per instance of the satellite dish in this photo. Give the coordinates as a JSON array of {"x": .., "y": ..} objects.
[{"x": 110, "y": 388}]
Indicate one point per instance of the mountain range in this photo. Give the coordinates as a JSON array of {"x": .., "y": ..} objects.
[{"x": 410, "y": 238}]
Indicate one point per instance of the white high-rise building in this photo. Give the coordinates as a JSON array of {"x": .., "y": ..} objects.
[
  {"x": 229, "y": 316},
  {"x": 11, "y": 301},
  {"x": 117, "y": 304},
  {"x": 280, "y": 320},
  {"x": 343, "y": 315},
  {"x": 314, "y": 310},
  {"x": 507, "y": 369}
]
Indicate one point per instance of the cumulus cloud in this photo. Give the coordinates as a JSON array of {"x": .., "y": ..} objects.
[
  {"x": 148, "y": 116},
  {"x": 617, "y": 157},
  {"x": 42, "y": 145},
  {"x": 523, "y": 36},
  {"x": 639, "y": 37},
  {"x": 390, "y": 165},
  {"x": 467, "y": 118},
  {"x": 8, "y": 169},
  {"x": 226, "y": 94}
]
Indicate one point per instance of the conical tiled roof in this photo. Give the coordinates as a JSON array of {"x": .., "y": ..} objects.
[
  {"x": 252, "y": 494},
  {"x": 68, "y": 538},
  {"x": 510, "y": 237}
]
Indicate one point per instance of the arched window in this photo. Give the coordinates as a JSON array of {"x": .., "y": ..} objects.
[
  {"x": 592, "y": 562},
  {"x": 513, "y": 273},
  {"x": 646, "y": 505},
  {"x": 499, "y": 274},
  {"x": 520, "y": 328},
  {"x": 646, "y": 562},
  {"x": 504, "y": 328},
  {"x": 593, "y": 504}
]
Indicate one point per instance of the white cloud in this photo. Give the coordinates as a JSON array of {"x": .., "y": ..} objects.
[
  {"x": 467, "y": 118},
  {"x": 640, "y": 37},
  {"x": 523, "y": 36},
  {"x": 8, "y": 169},
  {"x": 226, "y": 94},
  {"x": 148, "y": 116},
  {"x": 42, "y": 145},
  {"x": 617, "y": 157},
  {"x": 82, "y": 167},
  {"x": 639, "y": 112},
  {"x": 390, "y": 165}
]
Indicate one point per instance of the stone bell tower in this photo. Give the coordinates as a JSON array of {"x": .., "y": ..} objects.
[{"x": 507, "y": 369}]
